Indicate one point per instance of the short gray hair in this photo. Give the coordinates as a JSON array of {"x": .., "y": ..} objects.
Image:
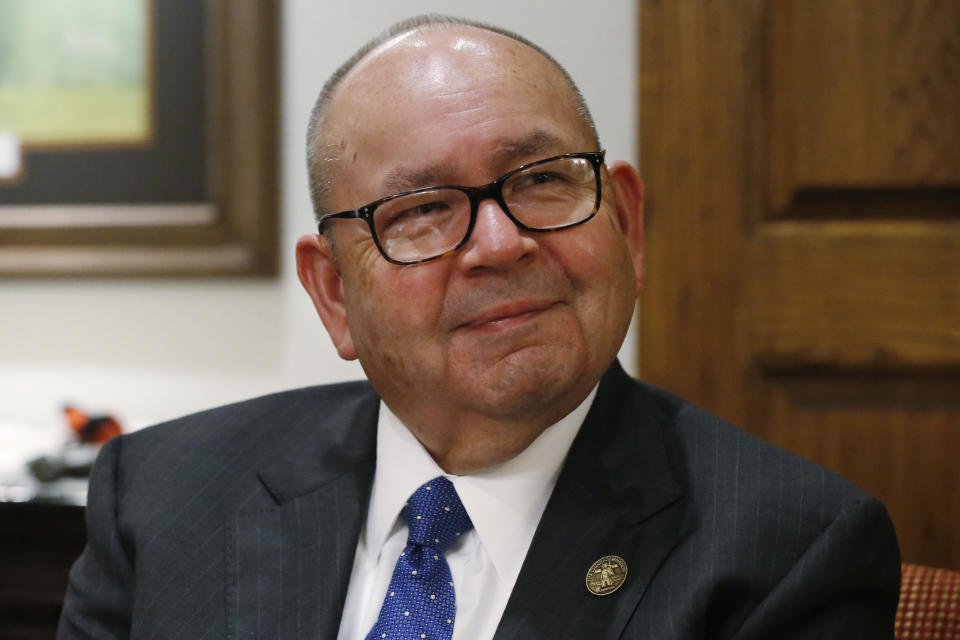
[{"x": 321, "y": 157}]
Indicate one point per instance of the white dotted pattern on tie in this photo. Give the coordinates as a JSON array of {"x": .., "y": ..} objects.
[{"x": 420, "y": 603}]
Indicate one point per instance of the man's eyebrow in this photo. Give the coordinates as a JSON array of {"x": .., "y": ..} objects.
[
  {"x": 405, "y": 180},
  {"x": 537, "y": 142}
]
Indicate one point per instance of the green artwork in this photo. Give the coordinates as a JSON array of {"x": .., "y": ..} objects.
[{"x": 75, "y": 72}]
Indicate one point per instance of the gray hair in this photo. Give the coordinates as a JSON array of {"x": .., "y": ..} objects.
[{"x": 321, "y": 157}]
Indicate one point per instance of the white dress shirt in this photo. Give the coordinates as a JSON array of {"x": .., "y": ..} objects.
[{"x": 504, "y": 502}]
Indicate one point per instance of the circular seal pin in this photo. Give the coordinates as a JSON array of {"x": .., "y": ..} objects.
[{"x": 606, "y": 575}]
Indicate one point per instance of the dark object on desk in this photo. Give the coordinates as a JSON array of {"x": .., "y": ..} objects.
[
  {"x": 76, "y": 458},
  {"x": 72, "y": 461},
  {"x": 38, "y": 543}
]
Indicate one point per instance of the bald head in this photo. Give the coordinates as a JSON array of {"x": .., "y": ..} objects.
[{"x": 434, "y": 54}]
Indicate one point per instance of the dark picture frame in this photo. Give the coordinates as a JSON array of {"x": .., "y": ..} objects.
[{"x": 231, "y": 230}]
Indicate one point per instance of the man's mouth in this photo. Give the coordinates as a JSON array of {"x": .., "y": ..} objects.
[{"x": 508, "y": 316}]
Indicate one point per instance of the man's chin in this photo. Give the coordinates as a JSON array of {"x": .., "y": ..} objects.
[{"x": 526, "y": 382}]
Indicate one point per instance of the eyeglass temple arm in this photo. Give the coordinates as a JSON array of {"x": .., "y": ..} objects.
[{"x": 350, "y": 213}]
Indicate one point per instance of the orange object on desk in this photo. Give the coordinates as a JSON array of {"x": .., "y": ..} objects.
[{"x": 97, "y": 429}]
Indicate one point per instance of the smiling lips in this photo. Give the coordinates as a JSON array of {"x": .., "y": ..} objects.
[{"x": 507, "y": 316}]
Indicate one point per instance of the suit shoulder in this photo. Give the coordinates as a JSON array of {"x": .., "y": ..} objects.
[
  {"x": 270, "y": 419},
  {"x": 766, "y": 536},
  {"x": 709, "y": 451}
]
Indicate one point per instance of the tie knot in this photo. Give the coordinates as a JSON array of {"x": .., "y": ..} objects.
[{"x": 435, "y": 516}]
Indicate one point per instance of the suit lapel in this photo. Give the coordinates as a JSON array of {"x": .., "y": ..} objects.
[
  {"x": 616, "y": 495},
  {"x": 289, "y": 565}
]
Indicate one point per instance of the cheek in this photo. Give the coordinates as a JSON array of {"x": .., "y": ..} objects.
[
  {"x": 390, "y": 307},
  {"x": 594, "y": 259},
  {"x": 601, "y": 271},
  {"x": 393, "y": 324}
]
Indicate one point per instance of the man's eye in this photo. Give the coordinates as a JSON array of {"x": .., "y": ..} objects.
[
  {"x": 413, "y": 219},
  {"x": 425, "y": 208},
  {"x": 414, "y": 213},
  {"x": 539, "y": 178}
]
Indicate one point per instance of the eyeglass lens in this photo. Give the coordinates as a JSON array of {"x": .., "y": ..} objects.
[{"x": 426, "y": 224}]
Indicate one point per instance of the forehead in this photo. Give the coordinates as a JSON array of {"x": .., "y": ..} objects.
[{"x": 448, "y": 96}]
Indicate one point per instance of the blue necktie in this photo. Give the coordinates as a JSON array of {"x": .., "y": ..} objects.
[{"x": 420, "y": 603}]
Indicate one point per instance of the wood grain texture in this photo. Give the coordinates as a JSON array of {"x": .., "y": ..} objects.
[
  {"x": 692, "y": 56},
  {"x": 881, "y": 297},
  {"x": 802, "y": 163},
  {"x": 862, "y": 95}
]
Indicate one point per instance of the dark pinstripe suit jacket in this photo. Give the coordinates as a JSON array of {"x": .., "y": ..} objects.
[{"x": 242, "y": 522}]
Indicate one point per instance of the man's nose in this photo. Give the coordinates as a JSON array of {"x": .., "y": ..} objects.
[{"x": 496, "y": 240}]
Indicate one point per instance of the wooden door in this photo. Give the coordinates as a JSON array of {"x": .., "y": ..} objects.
[{"x": 802, "y": 162}]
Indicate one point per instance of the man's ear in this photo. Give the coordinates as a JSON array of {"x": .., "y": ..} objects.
[
  {"x": 320, "y": 276},
  {"x": 629, "y": 197}
]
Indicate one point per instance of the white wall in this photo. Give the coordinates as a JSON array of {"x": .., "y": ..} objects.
[{"x": 152, "y": 350}]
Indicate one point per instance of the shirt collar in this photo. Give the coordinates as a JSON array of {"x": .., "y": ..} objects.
[{"x": 504, "y": 502}]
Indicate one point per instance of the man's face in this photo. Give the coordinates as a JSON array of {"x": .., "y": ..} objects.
[{"x": 515, "y": 326}]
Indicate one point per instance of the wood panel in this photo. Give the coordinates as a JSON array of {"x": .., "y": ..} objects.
[
  {"x": 883, "y": 296},
  {"x": 863, "y": 94},
  {"x": 802, "y": 161},
  {"x": 695, "y": 117}
]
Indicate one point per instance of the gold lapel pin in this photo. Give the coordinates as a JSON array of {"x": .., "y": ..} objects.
[{"x": 606, "y": 575}]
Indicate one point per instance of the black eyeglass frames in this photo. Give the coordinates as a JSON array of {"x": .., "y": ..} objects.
[{"x": 424, "y": 224}]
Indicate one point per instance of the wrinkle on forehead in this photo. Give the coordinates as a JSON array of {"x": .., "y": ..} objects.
[{"x": 506, "y": 154}]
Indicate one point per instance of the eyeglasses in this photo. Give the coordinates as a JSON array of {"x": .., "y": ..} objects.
[{"x": 425, "y": 224}]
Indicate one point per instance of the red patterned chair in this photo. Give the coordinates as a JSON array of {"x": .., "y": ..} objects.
[{"x": 929, "y": 606}]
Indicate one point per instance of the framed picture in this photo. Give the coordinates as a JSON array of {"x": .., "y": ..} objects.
[{"x": 138, "y": 137}]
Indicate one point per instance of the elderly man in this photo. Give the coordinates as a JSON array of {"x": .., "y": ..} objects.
[{"x": 499, "y": 476}]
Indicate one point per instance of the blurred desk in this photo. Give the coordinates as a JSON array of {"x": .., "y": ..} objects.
[
  {"x": 41, "y": 533},
  {"x": 38, "y": 543}
]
